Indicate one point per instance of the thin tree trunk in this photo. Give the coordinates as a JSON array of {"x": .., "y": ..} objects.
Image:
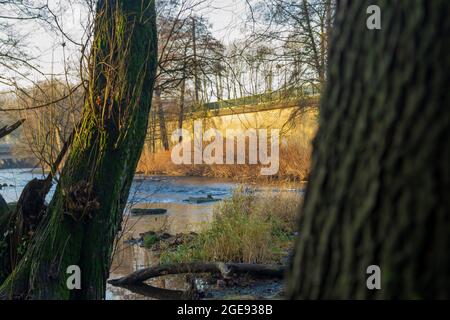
[
  {"x": 85, "y": 213},
  {"x": 221, "y": 95},
  {"x": 5, "y": 217},
  {"x": 316, "y": 58},
  {"x": 181, "y": 111},
  {"x": 328, "y": 23},
  {"x": 3, "y": 206},
  {"x": 378, "y": 191},
  {"x": 194, "y": 48},
  {"x": 217, "y": 84},
  {"x": 153, "y": 130},
  {"x": 161, "y": 119}
]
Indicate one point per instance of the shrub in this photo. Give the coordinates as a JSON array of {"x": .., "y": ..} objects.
[
  {"x": 150, "y": 240},
  {"x": 295, "y": 158},
  {"x": 247, "y": 228}
]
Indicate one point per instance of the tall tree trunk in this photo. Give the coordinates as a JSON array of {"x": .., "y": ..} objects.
[
  {"x": 85, "y": 213},
  {"x": 182, "y": 95},
  {"x": 161, "y": 119},
  {"x": 153, "y": 131},
  {"x": 313, "y": 43},
  {"x": 5, "y": 217},
  {"x": 217, "y": 84},
  {"x": 329, "y": 7},
  {"x": 378, "y": 191},
  {"x": 182, "y": 102},
  {"x": 196, "y": 76},
  {"x": 3, "y": 206}
]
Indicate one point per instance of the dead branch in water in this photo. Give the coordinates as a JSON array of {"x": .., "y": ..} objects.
[{"x": 225, "y": 269}]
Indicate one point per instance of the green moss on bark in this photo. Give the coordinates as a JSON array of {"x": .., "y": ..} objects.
[
  {"x": 102, "y": 160},
  {"x": 378, "y": 191}
]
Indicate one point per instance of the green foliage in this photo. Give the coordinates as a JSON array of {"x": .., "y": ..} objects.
[
  {"x": 150, "y": 240},
  {"x": 104, "y": 152}
]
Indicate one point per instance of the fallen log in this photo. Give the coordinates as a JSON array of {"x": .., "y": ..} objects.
[{"x": 225, "y": 269}]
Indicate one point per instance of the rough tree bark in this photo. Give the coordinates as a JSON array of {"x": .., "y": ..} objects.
[
  {"x": 3, "y": 206},
  {"x": 19, "y": 224},
  {"x": 5, "y": 214},
  {"x": 85, "y": 213},
  {"x": 378, "y": 192}
]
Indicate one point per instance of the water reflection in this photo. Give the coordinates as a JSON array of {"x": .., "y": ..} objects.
[
  {"x": 180, "y": 218},
  {"x": 150, "y": 192}
]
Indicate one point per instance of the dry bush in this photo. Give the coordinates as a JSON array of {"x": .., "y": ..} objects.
[{"x": 295, "y": 159}]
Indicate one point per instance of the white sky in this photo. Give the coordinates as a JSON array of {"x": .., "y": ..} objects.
[{"x": 226, "y": 16}]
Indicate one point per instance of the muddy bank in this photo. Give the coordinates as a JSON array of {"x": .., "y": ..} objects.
[
  {"x": 146, "y": 237},
  {"x": 181, "y": 224},
  {"x": 166, "y": 193}
]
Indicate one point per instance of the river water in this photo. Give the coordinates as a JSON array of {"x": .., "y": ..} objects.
[{"x": 154, "y": 192}]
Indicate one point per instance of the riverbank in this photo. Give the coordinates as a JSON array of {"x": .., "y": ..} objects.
[
  {"x": 247, "y": 227},
  {"x": 181, "y": 216},
  {"x": 294, "y": 166}
]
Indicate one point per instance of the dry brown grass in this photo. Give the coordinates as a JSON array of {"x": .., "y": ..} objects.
[
  {"x": 295, "y": 159},
  {"x": 248, "y": 228}
]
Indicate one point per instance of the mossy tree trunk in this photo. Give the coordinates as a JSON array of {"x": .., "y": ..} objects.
[
  {"x": 85, "y": 213},
  {"x": 5, "y": 216},
  {"x": 3, "y": 206},
  {"x": 378, "y": 191}
]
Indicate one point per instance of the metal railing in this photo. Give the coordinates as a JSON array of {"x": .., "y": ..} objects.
[{"x": 274, "y": 96}]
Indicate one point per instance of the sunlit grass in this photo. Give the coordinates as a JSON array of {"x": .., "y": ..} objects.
[{"x": 247, "y": 228}]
